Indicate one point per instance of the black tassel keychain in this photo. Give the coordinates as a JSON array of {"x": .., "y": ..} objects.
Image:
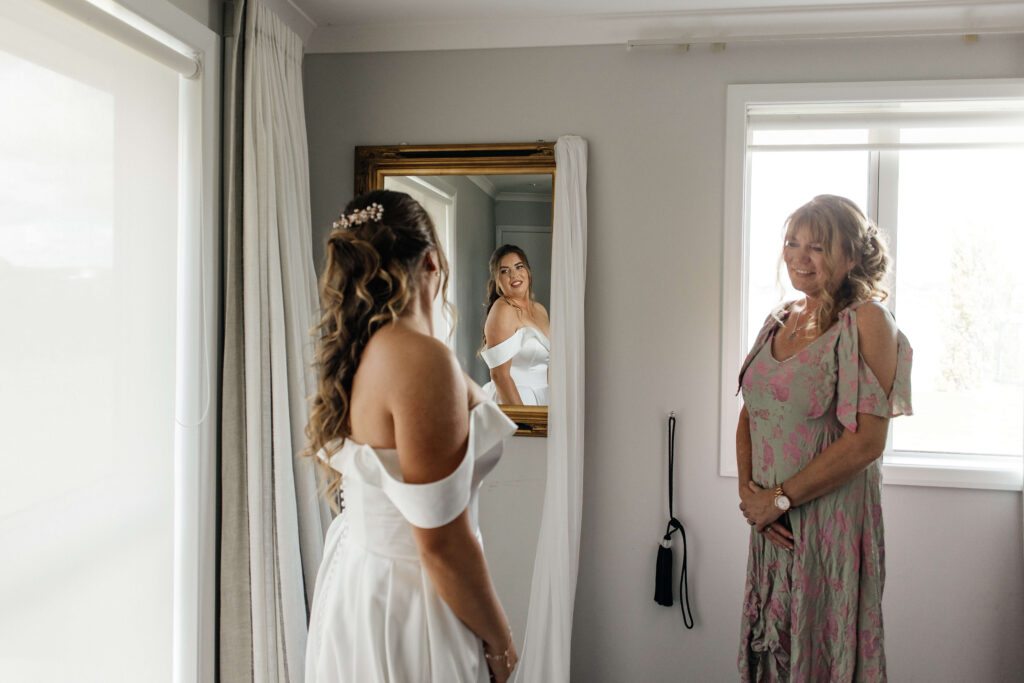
[{"x": 663, "y": 566}]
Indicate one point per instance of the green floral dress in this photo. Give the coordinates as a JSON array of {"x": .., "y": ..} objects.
[{"x": 815, "y": 613}]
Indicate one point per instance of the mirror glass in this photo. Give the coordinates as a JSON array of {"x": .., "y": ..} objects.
[
  {"x": 475, "y": 215},
  {"x": 482, "y": 196}
]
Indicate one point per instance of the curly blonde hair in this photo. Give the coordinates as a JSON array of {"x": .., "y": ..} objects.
[
  {"x": 367, "y": 283},
  {"x": 841, "y": 227}
]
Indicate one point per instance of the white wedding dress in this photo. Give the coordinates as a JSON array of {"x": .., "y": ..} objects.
[
  {"x": 376, "y": 617},
  {"x": 529, "y": 349}
]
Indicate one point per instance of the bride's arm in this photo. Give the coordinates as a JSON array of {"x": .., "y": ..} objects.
[
  {"x": 455, "y": 562},
  {"x": 501, "y": 324},
  {"x": 508, "y": 392},
  {"x": 431, "y": 434}
]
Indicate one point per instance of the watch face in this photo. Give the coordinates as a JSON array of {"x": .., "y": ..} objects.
[{"x": 782, "y": 502}]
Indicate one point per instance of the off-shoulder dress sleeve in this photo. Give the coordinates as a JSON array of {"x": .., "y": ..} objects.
[
  {"x": 857, "y": 388},
  {"x": 437, "y": 503},
  {"x": 503, "y": 352}
]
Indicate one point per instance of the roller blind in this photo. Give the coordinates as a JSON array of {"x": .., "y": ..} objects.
[
  {"x": 88, "y": 232},
  {"x": 879, "y": 126}
]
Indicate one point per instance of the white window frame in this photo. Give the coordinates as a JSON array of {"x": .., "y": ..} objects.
[{"x": 901, "y": 468}]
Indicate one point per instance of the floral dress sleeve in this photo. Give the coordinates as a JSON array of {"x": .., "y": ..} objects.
[
  {"x": 858, "y": 390},
  {"x": 762, "y": 337}
]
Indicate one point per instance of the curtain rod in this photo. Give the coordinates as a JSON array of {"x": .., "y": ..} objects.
[{"x": 188, "y": 65}]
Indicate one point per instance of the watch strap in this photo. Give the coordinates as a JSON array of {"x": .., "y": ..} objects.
[{"x": 779, "y": 493}]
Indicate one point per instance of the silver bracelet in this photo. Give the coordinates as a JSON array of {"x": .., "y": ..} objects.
[{"x": 506, "y": 655}]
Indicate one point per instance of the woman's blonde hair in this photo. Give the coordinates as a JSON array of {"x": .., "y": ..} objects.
[
  {"x": 840, "y": 227},
  {"x": 372, "y": 258}
]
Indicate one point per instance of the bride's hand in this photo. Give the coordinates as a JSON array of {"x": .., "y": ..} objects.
[{"x": 501, "y": 660}]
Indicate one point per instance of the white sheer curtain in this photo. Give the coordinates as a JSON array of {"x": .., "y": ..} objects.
[
  {"x": 272, "y": 285},
  {"x": 548, "y": 635}
]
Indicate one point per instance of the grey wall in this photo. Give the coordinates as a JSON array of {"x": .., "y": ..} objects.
[
  {"x": 954, "y": 601},
  {"x": 207, "y": 12},
  {"x": 511, "y": 504},
  {"x": 210, "y": 13},
  {"x": 522, "y": 213}
]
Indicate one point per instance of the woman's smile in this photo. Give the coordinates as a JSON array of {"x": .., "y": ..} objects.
[{"x": 802, "y": 273}]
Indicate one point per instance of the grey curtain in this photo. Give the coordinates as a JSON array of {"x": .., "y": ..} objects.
[
  {"x": 234, "y": 641},
  {"x": 272, "y": 521}
]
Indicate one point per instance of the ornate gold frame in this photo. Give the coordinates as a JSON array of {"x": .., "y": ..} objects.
[{"x": 374, "y": 163}]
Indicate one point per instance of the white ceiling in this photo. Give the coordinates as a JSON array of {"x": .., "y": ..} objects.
[{"x": 404, "y": 25}]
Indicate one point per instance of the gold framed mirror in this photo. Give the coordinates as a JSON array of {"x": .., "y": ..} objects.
[{"x": 439, "y": 171}]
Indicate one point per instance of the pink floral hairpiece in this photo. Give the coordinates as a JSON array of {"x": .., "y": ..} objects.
[{"x": 373, "y": 212}]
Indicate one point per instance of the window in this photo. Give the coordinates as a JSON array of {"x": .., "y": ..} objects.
[
  {"x": 939, "y": 168},
  {"x": 105, "y": 348}
]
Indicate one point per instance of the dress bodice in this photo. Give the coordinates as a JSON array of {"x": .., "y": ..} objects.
[
  {"x": 799, "y": 405},
  {"x": 376, "y": 616},
  {"x": 529, "y": 349},
  {"x": 380, "y": 506}
]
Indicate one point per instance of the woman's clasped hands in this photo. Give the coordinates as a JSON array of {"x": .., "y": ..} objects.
[{"x": 758, "y": 506}]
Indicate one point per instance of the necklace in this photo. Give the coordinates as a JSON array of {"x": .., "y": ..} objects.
[{"x": 796, "y": 325}]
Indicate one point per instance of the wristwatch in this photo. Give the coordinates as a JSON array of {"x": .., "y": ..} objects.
[{"x": 782, "y": 501}]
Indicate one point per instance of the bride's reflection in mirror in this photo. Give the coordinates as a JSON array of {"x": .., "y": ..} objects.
[
  {"x": 480, "y": 220},
  {"x": 516, "y": 345}
]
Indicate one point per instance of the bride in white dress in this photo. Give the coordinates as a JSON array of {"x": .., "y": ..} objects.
[
  {"x": 403, "y": 594},
  {"x": 516, "y": 347}
]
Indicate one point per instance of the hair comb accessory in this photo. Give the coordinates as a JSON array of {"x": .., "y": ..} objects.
[{"x": 373, "y": 212}]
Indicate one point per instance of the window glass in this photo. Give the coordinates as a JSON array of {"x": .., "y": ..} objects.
[
  {"x": 960, "y": 299},
  {"x": 779, "y": 183}
]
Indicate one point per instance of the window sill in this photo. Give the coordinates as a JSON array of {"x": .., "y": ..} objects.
[
  {"x": 975, "y": 472},
  {"x": 997, "y": 473}
]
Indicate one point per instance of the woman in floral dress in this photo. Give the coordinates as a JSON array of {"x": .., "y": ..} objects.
[{"x": 819, "y": 385}]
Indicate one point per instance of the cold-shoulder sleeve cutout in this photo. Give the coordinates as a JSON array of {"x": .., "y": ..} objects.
[
  {"x": 503, "y": 352},
  {"x": 857, "y": 388}
]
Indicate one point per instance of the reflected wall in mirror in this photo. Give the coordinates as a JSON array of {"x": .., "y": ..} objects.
[{"x": 480, "y": 198}]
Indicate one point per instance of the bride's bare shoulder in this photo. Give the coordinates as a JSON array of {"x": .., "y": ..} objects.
[
  {"x": 399, "y": 350},
  {"x": 502, "y": 322},
  {"x": 418, "y": 384}
]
